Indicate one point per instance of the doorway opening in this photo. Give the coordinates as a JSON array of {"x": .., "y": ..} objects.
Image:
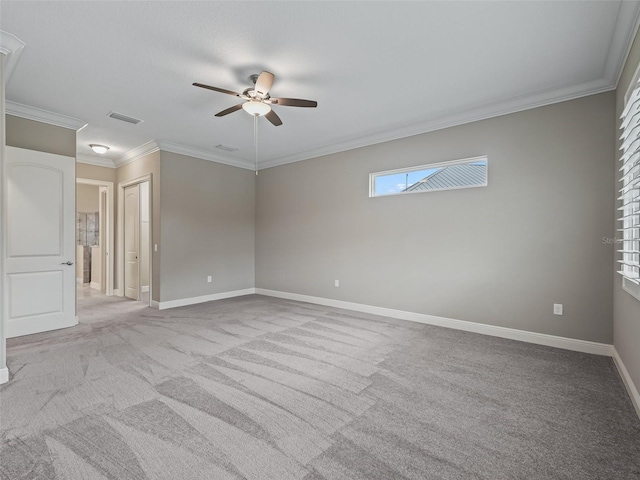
[
  {"x": 94, "y": 238},
  {"x": 134, "y": 239}
]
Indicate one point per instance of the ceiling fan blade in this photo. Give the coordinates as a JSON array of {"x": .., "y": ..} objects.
[
  {"x": 229, "y": 110},
  {"x": 274, "y": 118},
  {"x": 216, "y": 89},
  {"x": 264, "y": 82},
  {"x": 294, "y": 102}
]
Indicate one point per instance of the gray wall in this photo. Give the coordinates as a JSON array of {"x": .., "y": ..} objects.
[
  {"x": 208, "y": 227},
  {"x": 626, "y": 309},
  {"x": 499, "y": 255},
  {"x": 87, "y": 198},
  {"x": 32, "y": 135},
  {"x": 93, "y": 172}
]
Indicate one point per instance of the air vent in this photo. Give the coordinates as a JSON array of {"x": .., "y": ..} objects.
[
  {"x": 226, "y": 148},
  {"x": 124, "y": 118}
]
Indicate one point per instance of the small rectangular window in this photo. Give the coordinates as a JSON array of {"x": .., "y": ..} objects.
[{"x": 470, "y": 172}]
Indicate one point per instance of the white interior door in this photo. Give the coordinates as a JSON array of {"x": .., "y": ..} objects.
[
  {"x": 145, "y": 232},
  {"x": 40, "y": 213},
  {"x": 132, "y": 241},
  {"x": 103, "y": 239}
]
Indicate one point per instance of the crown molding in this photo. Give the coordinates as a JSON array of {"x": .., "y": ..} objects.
[
  {"x": 11, "y": 46},
  {"x": 513, "y": 105},
  {"x": 203, "y": 154},
  {"x": 97, "y": 161},
  {"x": 162, "y": 145},
  {"x": 624, "y": 32},
  {"x": 44, "y": 116},
  {"x": 136, "y": 153}
]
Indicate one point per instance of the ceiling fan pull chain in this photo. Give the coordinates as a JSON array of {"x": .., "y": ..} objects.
[{"x": 255, "y": 138}]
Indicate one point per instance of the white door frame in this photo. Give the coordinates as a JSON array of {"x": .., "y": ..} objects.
[
  {"x": 109, "y": 234},
  {"x": 121, "y": 186},
  {"x": 4, "y": 371}
]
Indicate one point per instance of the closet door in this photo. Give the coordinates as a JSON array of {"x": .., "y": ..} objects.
[{"x": 132, "y": 242}]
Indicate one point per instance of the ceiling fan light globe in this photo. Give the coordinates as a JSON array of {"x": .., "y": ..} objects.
[{"x": 256, "y": 108}]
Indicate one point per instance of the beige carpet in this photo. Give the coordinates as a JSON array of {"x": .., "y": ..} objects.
[{"x": 260, "y": 388}]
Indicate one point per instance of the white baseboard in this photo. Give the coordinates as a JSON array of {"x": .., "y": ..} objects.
[
  {"x": 116, "y": 292},
  {"x": 181, "y": 302},
  {"x": 4, "y": 375},
  {"x": 503, "y": 332},
  {"x": 79, "y": 280},
  {"x": 155, "y": 304},
  {"x": 95, "y": 286},
  {"x": 628, "y": 382},
  {"x": 144, "y": 288}
]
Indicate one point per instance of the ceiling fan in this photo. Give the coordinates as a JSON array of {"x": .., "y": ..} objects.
[{"x": 258, "y": 101}]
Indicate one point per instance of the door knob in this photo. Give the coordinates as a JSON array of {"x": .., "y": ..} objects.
[{"x": 69, "y": 262}]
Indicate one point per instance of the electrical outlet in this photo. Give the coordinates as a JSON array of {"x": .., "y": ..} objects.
[
  {"x": 209, "y": 279},
  {"x": 337, "y": 283},
  {"x": 558, "y": 309}
]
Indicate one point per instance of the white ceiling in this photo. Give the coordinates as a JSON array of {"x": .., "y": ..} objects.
[{"x": 379, "y": 70}]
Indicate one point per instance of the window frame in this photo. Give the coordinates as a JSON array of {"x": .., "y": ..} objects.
[{"x": 463, "y": 161}]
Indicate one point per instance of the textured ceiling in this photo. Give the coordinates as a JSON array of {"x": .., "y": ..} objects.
[{"x": 379, "y": 70}]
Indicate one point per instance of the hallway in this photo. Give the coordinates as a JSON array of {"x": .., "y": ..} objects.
[{"x": 94, "y": 306}]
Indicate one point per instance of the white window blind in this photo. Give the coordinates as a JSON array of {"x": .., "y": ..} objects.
[{"x": 629, "y": 221}]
